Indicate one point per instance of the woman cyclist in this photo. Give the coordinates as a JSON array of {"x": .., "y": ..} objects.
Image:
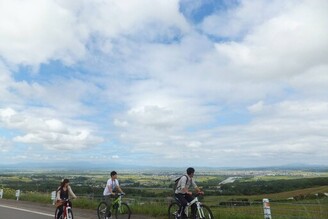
[{"x": 64, "y": 192}]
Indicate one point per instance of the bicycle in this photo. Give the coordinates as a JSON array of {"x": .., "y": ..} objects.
[
  {"x": 120, "y": 209},
  {"x": 202, "y": 212},
  {"x": 67, "y": 211}
]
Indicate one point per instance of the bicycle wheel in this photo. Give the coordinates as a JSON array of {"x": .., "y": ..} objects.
[
  {"x": 69, "y": 214},
  {"x": 122, "y": 212},
  {"x": 206, "y": 211},
  {"x": 101, "y": 210},
  {"x": 56, "y": 214},
  {"x": 173, "y": 210}
]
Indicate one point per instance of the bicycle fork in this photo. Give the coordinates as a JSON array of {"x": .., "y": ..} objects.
[{"x": 200, "y": 211}]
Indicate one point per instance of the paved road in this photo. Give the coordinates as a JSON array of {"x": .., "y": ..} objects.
[
  {"x": 12, "y": 212},
  {"x": 29, "y": 210},
  {"x": 12, "y": 209}
]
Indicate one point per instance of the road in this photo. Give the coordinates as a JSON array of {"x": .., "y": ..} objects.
[
  {"x": 11, "y": 212},
  {"x": 29, "y": 210},
  {"x": 13, "y": 209}
]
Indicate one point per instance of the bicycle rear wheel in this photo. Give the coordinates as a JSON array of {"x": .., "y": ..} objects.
[
  {"x": 206, "y": 211},
  {"x": 122, "y": 212},
  {"x": 173, "y": 210},
  {"x": 101, "y": 210}
]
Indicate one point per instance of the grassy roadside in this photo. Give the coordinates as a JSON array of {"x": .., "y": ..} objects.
[{"x": 281, "y": 207}]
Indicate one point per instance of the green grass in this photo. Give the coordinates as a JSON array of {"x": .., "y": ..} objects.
[{"x": 280, "y": 206}]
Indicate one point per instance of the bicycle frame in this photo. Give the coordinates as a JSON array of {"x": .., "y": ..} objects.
[
  {"x": 66, "y": 208},
  {"x": 199, "y": 209},
  {"x": 118, "y": 201},
  {"x": 118, "y": 207}
]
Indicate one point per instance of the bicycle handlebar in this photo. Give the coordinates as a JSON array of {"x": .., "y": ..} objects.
[
  {"x": 199, "y": 194},
  {"x": 119, "y": 194}
]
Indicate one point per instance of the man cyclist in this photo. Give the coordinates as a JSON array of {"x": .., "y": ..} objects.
[
  {"x": 109, "y": 192},
  {"x": 183, "y": 194}
]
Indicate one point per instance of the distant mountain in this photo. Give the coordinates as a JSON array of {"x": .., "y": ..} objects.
[{"x": 88, "y": 166}]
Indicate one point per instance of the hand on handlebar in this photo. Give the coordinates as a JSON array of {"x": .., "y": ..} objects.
[{"x": 199, "y": 193}]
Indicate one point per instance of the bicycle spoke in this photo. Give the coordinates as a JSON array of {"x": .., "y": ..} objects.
[
  {"x": 70, "y": 214},
  {"x": 206, "y": 211},
  {"x": 101, "y": 210},
  {"x": 173, "y": 210}
]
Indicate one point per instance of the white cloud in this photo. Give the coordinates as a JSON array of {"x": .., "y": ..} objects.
[
  {"x": 240, "y": 20},
  {"x": 48, "y": 132},
  {"x": 280, "y": 47},
  {"x": 254, "y": 90},
  {"x": 33, "y": 32},
  {"x": 5, "y": 144}
]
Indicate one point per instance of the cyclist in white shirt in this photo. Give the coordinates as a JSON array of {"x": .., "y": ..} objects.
[{"x": 112, "y": 187}]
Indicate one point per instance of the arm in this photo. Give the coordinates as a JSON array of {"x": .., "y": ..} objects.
[
  {"x": 197, "y": 189},
  {"x": 58, "y": 195},
  {"x": 118, "y": 186},
  {"x": 109, "y": 186},
  {"x": 71, "y": 193},
  {"x": 119, "y": 189}
]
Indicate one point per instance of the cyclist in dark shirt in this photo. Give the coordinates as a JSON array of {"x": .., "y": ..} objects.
[{"x": 64, "y": 192}]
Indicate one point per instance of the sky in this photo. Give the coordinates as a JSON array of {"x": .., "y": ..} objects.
[{"x": 215, "y": 83}]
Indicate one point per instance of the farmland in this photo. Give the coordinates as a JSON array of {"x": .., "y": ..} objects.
[{"x": 246, "y": 190}]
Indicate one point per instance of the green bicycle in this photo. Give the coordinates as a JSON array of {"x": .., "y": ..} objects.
[{"x": 119, "y": 209}]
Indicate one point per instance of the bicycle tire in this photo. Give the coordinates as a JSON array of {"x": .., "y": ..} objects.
[
  {"x": 56, "y": 212},
  {"x": 122, "y": 212},
  {"x": 207, "y": 212},
  {"x": 173, "y": 210},
  {"x": 101, "y": 210},
  {"x": 69, "y": 214}
]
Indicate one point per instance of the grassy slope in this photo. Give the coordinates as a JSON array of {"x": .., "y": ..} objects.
[{"x": 275, "y": 196}]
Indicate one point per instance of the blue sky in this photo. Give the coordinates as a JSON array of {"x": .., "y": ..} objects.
[{"x": 164, "y": 82}]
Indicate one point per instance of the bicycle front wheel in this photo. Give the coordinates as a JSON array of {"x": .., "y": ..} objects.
[
  {"x": 205, "y": 212},
  {"x": 69, "y": 214},
  {"x": 122, "y": 212},
  {"x": 56, "y": 213},
  {"x": 101, "y": 210},
  {"x": 173, "y": 210}
]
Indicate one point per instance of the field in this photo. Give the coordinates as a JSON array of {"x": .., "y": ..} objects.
[{"x": 303, "y": 194}]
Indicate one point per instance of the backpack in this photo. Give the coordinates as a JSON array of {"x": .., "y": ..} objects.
[{"x": 175, "y": 185}]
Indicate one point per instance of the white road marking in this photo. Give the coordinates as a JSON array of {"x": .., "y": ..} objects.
[{"x": 20, "y": 209}]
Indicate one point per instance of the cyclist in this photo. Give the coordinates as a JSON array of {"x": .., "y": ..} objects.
[
  {"x": 183, "y": 194},
  {"x": 64, "y": 191},
  {"x": 112, "y": 186}
]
